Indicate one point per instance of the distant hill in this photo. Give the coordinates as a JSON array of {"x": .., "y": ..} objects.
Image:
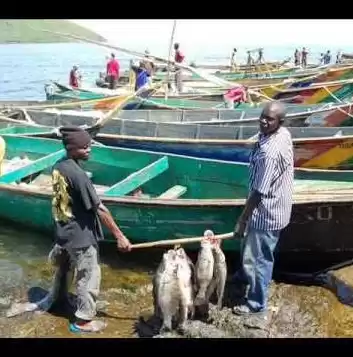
[{"x": 25, "y": 31}]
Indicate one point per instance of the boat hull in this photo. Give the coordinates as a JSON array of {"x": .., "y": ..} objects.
[
  {"x": 326, "y": 153},
  {"x": 314, "y": 228},
  {"x": 214, "y": 199}
]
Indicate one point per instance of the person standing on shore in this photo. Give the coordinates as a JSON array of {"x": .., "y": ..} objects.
[
  {"x": 233, "y": 60},
  {"x": 178, "y": 58},
  {"x": 113, "y": 69},
  {"x": 304, "y": 57},
  {"x": 77, "y": 214},
  {"x": 268, "y": 208},
  {"x": 75, "y": 77}
]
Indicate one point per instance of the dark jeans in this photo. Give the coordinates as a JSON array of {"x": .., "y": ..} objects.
[{"x": 257, "y": 266}]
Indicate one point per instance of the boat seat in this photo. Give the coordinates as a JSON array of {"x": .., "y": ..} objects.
[{"x": 174, "y": 192}]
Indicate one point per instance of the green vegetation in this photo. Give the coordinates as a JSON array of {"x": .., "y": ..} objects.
[{"x": 28, "y": 31}]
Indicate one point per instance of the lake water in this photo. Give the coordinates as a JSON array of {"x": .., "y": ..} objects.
[{"x": 26, "y": 68}]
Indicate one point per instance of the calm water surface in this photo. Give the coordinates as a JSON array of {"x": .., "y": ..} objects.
[{"x": 26, "y": 68}]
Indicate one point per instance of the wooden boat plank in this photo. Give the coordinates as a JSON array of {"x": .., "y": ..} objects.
[
  {"x": 138, "y": 178},
  {"x": 174, "y": 192}
]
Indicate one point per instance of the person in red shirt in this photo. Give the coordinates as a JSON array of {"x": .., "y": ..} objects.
[
  {"x": 235, "y": 95},
  {"x": 113, "y": 68},
  {"x": 75, "y": 77},
  {"x": 178, "y": 58}
]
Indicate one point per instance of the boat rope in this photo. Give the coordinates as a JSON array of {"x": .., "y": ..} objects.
[{"x": 331, "y": 94}]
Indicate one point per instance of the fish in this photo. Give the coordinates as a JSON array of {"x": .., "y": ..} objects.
[
  {"x": 156, "y": 281},
  {"x": 204, "y": 269},
  {"x": 186, "y": 288},
  {"x": 219, "y": 273},
  {"x": 61, "y": 283},
  {"x": 166, "y": 290},
  {"x": 173, "y": 290}
]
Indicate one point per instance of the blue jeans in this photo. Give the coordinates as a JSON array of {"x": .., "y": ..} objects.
[{"x": 257, "y": 266}]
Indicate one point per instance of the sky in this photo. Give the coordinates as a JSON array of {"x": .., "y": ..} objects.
[{"x": 198, "y": 35}]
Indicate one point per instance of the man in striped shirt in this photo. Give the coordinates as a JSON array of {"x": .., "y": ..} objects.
[{"x": 268, "y": 208}]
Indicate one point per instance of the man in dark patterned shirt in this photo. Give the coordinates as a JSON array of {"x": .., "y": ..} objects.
[{"x": 78, "y": 213}]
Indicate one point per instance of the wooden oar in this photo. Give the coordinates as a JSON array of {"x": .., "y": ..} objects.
[{"x": 172, "y": 242}]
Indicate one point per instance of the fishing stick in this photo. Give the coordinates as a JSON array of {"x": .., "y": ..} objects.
[{"x": 172, "y": 242}]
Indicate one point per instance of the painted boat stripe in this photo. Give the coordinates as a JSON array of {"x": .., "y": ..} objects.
[
  {"x": 338, "y": 117},
  {"x": 304, "y": 152},
  {"x": 333, "y": 157}
]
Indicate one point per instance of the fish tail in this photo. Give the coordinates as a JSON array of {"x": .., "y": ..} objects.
[{"x": 200, "y": 298}]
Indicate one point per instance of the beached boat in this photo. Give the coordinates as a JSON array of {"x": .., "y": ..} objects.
[
  {"x": 150, "y": 99},
  {"x": 323, "y": 92},
  {"x": 182, "y": 196},
  {"x": 297, "y": 115},
  {"x": 250, "y": 73},
  {"x": 317, "y": 148}
]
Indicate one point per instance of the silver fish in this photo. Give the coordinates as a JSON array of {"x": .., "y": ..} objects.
[
  {"x": 204, "y": 270},
  {"x": 156, "y": 281},
  {"x": 166, "y": 290},
  {"x": 219, "y": 274},
  {"x": 173, "y": 289},
  {"x": 186, "y": 288}
]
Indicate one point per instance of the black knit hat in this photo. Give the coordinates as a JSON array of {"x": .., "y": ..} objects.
[{"x": 75, "y": 136}]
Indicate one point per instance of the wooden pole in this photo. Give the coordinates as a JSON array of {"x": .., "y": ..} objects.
[
  {"x": 172, "y": 242},
  {"x": 169, "y": 58}
]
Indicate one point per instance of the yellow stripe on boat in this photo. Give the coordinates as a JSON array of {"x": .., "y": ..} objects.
[{"x": 333, "y": 157}]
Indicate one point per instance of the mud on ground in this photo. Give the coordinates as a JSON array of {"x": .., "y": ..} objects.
[{"x": 126, "y": 304}]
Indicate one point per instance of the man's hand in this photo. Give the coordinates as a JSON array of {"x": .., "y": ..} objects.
[
  {"x": 239, "y": 228},
  {"x": 123, "y": 243}
]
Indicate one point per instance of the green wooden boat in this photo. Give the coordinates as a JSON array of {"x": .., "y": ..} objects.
[
  {"x": 182, "y": 196},
  {"x": 60, "y": 93}
]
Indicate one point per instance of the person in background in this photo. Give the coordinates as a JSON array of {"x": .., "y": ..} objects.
[
  {"x": 233, "y": 59},
  {"x": 250, "y": 60},
  {"x": 297, "y": 57},
  {"x": 267, "y": 209},
  {"x": 304, "y": 57},
  {"x": 260, "y": 58},
  {"x": 236, "y": 95},
  {"x": 322, "y": 59},
  {"x": 77, "y": 214},
  {"x": 149, "y": 65},
  {"x": 75, "y": 77},
  {"x": 327, "y": 57},
  {"x": 113, "y": 69},
  {"x": 178, "y": 58},
  {"x": 338, "y": 57},
  {"x": 141, "y": 75}
]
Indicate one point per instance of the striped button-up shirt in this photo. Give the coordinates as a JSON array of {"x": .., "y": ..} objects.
[{"x": 272, "y": 175}]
